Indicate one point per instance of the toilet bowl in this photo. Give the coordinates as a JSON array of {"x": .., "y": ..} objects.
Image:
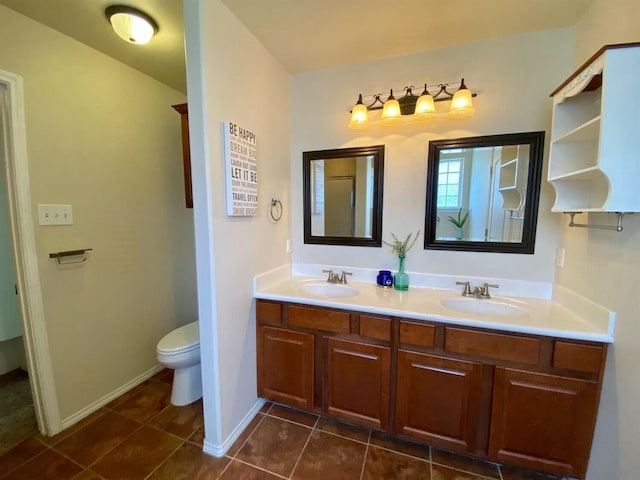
[{"x": 180, "y": 351}]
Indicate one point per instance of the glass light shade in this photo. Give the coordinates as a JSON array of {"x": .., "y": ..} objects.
[
  {"x": 425, "y": 107},
  {"x": 461, "y": 104},
  {"x": 391, "y": 110},
  {"x": 359, "y": 115},
  {"x": 132, "y": 27}
]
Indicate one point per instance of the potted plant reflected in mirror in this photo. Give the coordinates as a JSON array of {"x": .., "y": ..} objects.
[{"x": 459, "y": 222}]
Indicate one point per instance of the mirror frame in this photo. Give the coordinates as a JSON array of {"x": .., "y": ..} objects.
[
  {"x": 535, "y": 140},
  {"x": 378, "y": 180}
]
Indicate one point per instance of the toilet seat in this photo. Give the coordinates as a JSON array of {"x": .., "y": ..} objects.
[{"x": 181, "y": 340}]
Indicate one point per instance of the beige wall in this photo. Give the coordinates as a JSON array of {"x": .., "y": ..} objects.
[
  {"x": 606, "y": 22},
  {"x": 231, "y": 77},
  {"x": 605, "y": 266},
  {"x": 513, "y": 77},
  {"x": 102, "y": 137}
]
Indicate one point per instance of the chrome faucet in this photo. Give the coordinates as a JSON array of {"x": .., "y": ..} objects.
[
  {"x": 337, "y": 278},
  {"x": 478, "y": 292}
]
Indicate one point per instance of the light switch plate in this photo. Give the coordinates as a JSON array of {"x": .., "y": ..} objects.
[{"x": 49, "y": 215}]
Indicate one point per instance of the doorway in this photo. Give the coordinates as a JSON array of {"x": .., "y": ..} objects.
[{"x": 16, "y": 205}]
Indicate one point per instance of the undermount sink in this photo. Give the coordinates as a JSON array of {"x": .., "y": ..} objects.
[
  {"x": 484, "y": 307},
  {"x": 333, "y": 290}
]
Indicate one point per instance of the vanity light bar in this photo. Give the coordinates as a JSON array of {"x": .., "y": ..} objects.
[{"x": 410, "y": 107}]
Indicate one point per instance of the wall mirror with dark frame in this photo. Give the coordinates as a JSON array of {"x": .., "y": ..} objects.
[
  {"x": 342, "y": 191},
  {"x": 483, "y": 192}
]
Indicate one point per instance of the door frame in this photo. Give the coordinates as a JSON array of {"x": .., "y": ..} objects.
[{"x": 30, "y": 300}]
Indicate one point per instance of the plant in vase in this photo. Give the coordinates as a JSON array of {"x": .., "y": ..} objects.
[
  {"x": 400, "y": 248},
  {"x": 459, "y": 222}
]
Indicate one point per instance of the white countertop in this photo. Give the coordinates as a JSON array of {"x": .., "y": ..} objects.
[{"x": 566, "y": 315}]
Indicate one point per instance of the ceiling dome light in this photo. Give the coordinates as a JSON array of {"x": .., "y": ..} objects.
[{"x": 131, "y": 25}]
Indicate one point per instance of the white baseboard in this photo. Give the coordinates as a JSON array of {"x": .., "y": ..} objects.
[
  {"x": 220, "y": 450},
  {"x": 85, "y": 412}
]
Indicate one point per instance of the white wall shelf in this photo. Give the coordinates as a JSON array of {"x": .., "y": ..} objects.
[
  {"x": 513, "y": 176},
  {"x": 594, "y": 163}
]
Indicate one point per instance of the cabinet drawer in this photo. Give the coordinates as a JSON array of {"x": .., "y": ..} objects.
[
  {"x": 419, "y": 334},
  {"x": 268, "y": 313},
  {"x": 319, "y": 319},
  {"x": 576, "y": 356},
  {"x": 492, "y": 345},
  {"x": 374, "y": 327}
]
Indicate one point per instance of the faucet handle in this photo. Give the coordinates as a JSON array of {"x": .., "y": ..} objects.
[
  {"x": 343, "y": 277},
  {"x": 331, "y": 277},
  {"x": 466, "y": 291},
  {"x": 484, "y": 292}
]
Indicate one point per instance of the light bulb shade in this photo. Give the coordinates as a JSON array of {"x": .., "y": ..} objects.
[
  {"x": 461, "y": 103},
  {"x": 391, "y": 110},
  {"x": 359, "y": 116},
  {"x": 131, "y": 25},
  {"x": 425, "y": 107}
]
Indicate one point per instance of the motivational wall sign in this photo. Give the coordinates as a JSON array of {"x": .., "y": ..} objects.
[{"x": 241, "y": 170}]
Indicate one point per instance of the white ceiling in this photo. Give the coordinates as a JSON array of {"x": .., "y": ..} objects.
[{"x": 308, "y": 34}]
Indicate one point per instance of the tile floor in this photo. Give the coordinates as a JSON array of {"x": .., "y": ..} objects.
[{"x": 141, "y": 436}]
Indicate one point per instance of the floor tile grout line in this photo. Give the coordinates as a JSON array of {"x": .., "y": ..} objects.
[
  {"x": 400, "y": 453},
  {"x": 500, "y": 472},
  {"x": 430, "y": 462},
  {"x": 292, "y": 421},
  {"x": 5, "y": 474},
  {"x": 111, "y": 449},
  {"x": 366, "y": 452},
  {"x": 247, "y": 439},
  {"x": 304, "y": 448},
  {"x": 262, "y": 469},
  {"x": 478, "y": 475},
  {"x": 342, "y": 436},
  {"x": 165, "y": 460}
]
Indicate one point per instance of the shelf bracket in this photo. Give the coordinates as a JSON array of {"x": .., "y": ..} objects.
[{"x": 617, "y": 227}]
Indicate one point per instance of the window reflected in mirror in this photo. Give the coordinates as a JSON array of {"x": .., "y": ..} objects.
[
  {"x": 343, "y": 196},
  {"x": 482, "y": 193}
]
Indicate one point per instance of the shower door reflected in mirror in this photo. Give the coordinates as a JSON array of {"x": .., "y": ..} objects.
[{"x": 343, "y": 196}]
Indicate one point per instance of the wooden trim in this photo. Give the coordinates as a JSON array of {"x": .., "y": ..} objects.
[
  {"x": 419, "y": 334},
  {"x": 613, "y": 46},
  {"x": 493, "y": 345},
  {"x": 320, "y": 319},
  {"x": 375, "y": 327},
  {"x": 579, "y": 357},
  {"x": 186, "y": 152},
  {"x": 268, "y": 313}
]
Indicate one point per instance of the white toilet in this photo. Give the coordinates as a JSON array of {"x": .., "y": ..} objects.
[{"x": 180, "y": 351}]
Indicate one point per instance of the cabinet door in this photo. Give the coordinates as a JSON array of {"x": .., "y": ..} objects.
[
  {"x": 438, "y": 400},
  {"x": 358, "y": 382},
  {"x": 542, "y": 422},
  {"x": 285, "y": 366}
]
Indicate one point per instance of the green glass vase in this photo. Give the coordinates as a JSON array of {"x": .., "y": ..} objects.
[{"x": 401, "y": 279}]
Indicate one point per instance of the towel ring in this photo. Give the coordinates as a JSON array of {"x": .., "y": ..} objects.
[{"x": 276, "y": 205}]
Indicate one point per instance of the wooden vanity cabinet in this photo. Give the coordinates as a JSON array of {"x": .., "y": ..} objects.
[
  {"x": 525, "y": 400},
  {"x": 542, "y": 422},
  {"x": 285, "y": 366},
  {"x": 358, "y": 381},
  {"x": 438, "y": 400}
]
